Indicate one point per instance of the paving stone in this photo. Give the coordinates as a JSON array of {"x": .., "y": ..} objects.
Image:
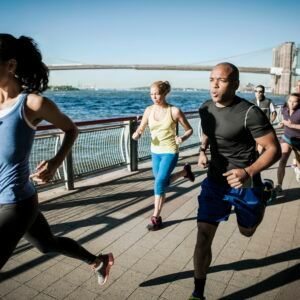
[
  {"x": 42, "y": 296},
  {"x": 242, "y": 280},
  {"x": 93, "y": 286},
  {"x": 60, "y": 289},
  {"x": 111, "y": 215},
  {"x": 177, "y": 292},
  {"x": 27, "y": 275},
  {"x": 60, "y": 269},
  {"x": 42, "y": 281},
  {"x": 127, "y": 261},
  {"x": 139, "y": 294},
  {"x": 214, "y": 288},
  {"x": 116, "y": 292},
  {"x": 81, "y": 293},
  {"x": 144, "y": 266},
  {"x": 131, "y": 279},
  {"x": 231, "y": 290},
  {"x": 7, "y": 286},
  {"x": 291, "y": 291},
  {"x": 159, "y": 280},
  {"x": 21, "y": 293},
  {"x": 78, "y": 276}
]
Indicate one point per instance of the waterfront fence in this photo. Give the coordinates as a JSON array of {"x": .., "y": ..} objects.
[{"x": 102, "y": 145}]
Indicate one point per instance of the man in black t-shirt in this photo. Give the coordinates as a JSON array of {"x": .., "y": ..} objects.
[{"x": 231, "y": 127}]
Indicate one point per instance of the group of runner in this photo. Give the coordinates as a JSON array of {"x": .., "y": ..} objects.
[{"x": 232, "y": 130}]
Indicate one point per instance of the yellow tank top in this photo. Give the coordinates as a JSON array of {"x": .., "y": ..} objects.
[{"x": 163, "y": 133}]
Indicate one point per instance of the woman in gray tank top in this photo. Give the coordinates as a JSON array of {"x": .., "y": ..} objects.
[{"x": 23, "y": 76}]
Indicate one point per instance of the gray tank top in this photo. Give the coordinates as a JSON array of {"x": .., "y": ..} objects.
[{"x": 16, "y": 138}]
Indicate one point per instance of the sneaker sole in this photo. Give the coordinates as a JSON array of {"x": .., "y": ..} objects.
[
  {"x": 111, "y": 261},
  {"x": 156, "y": 229}
]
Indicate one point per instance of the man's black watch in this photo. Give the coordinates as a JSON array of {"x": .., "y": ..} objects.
[{"x": 202, "y": 149}]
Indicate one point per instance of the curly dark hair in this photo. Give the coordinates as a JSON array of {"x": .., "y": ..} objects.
[{"x": 31, "y": 72}]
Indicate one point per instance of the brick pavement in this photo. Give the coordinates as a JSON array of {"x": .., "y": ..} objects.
[{"x": 110, "y": 212}]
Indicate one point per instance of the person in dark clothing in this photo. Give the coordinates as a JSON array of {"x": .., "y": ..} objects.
[
  {"x": 265, "y": 104},
  {"x": 231, "y": 128},
  {"x": 290, "y": 139}
]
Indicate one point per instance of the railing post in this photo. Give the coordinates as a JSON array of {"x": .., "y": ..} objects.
[
  {"x": 132, "y": 158},
  {"x": 68, "y": 169}
]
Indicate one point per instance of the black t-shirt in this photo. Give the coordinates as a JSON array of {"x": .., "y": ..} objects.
[{"x": 231, "y": 131}]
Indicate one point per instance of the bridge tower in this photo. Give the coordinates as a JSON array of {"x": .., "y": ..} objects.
[
  {"x": 283, "y": 68},
  {"x": 296, "y": 67}
]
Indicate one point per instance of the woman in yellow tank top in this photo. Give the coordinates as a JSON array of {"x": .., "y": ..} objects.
[{"x": 162, "y": 119}]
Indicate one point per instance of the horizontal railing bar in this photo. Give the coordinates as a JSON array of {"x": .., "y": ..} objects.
[
  {"x": 91, "y": 154},
  {"x": 110, "y": 120},
  {"x": 93, "y": 122},
  {"x": 89, "y": 129},
  {"x": 100, "y": 121},
  {"x": 50, "y": 134}
]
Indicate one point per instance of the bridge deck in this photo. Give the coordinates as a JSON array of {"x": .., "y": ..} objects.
[
  {"x": 255, "y": 70},
  {"x": 110, "y": 212}
]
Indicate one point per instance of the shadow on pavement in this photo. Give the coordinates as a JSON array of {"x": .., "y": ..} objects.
[{"x": 278, "y": 279}]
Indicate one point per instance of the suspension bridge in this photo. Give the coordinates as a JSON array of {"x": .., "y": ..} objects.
[{"x": 285, "y": 67}]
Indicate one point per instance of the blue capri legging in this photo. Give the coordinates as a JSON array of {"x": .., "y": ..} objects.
[{"x": 163, "y": 165}]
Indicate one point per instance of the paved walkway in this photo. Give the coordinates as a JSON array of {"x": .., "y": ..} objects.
[{"x": 110, "y": 212}]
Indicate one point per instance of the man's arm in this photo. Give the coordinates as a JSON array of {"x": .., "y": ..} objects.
[
  {"x": 265, "y": 136},
  {"x": 272, "y": 153},
  {"x": 202, "y": 160},
  {"x": 237, "y": 177}
]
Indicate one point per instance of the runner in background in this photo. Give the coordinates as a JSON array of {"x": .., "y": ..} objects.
[
  {"x": 290, "y": 139},
  {"x": 162, "y": 119}
]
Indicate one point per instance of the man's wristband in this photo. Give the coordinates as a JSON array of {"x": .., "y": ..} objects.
[
  {"x": 246, "y": 172},
  {"x": 202, "y": 149}
]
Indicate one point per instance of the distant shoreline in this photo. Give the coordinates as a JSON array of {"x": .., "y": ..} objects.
[
  {"x": 62, "y": 88},
  {"x": 71, "y": 88}
]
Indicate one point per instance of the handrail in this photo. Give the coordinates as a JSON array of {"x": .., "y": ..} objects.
[
  {"x": 92, "y": 122},
  {"x": 102, "y": 121},
  {"x": 109, "y": 120}
]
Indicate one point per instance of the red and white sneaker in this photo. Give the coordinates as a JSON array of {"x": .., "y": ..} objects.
[{"x": 107, "y": 260}]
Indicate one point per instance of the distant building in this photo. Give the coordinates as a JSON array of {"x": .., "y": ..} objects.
[{"x": 248, "y": 88}]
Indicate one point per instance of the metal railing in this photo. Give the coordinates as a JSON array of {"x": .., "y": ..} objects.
[{"x": 103, "y": 144}]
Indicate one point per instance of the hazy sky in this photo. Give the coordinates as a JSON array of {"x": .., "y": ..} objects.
[{"x": 153, "y": 32}]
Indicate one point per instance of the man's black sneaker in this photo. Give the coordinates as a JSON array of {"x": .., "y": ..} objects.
[
  {"x": 269, "y": 191},
  {"x": 196, "y": 298}
]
